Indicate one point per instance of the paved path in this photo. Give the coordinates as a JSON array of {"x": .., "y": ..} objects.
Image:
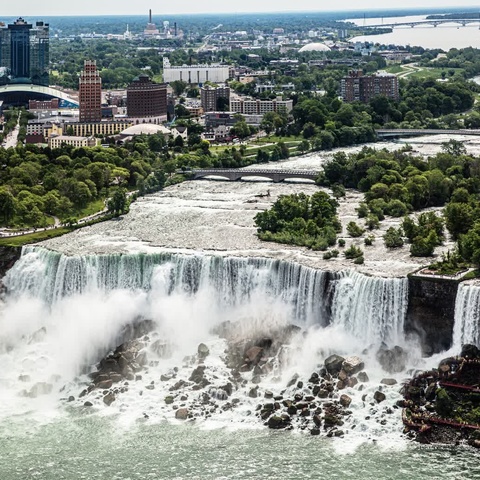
[{"x": 12, "y": 138}]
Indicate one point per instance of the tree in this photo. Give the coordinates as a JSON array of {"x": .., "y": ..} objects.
[
  {"x": 118, "y": 203},
  {"x": 7, "y": 205},
  {"x": 178, "y": 87},
  {"x": 469, "y": 245},
  {"x": 303, "y": 146},
  {"x": 458, "y": 218},
  {"x": 454, "y": 147}
]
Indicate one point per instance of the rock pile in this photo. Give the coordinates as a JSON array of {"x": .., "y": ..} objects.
[
  {"x": 318, "y": 404},
  {"x": 116, "y": 370},
  {"x": 443, "y": 405}
]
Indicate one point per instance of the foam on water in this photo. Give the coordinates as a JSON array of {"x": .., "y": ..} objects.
[{"x": 62, "y": 314}]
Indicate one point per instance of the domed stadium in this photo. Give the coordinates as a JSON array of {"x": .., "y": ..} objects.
[{"x": 315, "y": 47}]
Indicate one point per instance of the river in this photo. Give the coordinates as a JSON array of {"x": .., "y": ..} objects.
[
  {"x": 444, "y": 36},
  {"x": 192, "y": 265}
]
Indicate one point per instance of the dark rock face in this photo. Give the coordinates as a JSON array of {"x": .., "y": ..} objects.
[
  {"x": 8, "y": 257},
  {"x": 431, "y": 311}
]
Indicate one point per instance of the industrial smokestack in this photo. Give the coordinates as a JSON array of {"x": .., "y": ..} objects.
[{"x": 150, "y": 15}]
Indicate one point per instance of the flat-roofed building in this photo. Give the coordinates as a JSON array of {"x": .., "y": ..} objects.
[
  {"x": 251, "y": 106},
  {"x": 362, "y": 88},
  {"x": 56, "y": 141}
]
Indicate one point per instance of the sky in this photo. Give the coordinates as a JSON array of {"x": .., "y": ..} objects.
[{"x": 35, "y": 8}]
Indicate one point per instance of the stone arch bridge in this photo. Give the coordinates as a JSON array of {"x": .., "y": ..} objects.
[{"x": 277, "y": 175}]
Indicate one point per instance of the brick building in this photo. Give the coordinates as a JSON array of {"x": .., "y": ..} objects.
[
  {"x": 146, "y": 100},
  {"x": 210, "y": 98},
  {"x": 90, "y": 93},
  {"x": 362, "y": 88}
]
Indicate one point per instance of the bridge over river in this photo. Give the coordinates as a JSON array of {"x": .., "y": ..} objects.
[
  {"x": 277, "y": 175},
  {"x": 434, "y": 21},
  {"x": 409, "y": 132}
]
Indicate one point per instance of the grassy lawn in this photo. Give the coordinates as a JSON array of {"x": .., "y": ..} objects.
[
  {"x": 395, "y": 69},
  {"x": 435, "y": 73},
  {"x": 90, "y": 209},
  {"x": 275, "y": 139},
  {"x": 33, "y": 237}
]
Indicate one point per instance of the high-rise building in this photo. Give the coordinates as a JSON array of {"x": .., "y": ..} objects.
[
  {"x": 360, "y": 88},
  {"x": 24, "y": 52},
  {"x": 90, "y": 93},
  {"x": 147, "y": 100},
  {"x": 215, "y": 99}
]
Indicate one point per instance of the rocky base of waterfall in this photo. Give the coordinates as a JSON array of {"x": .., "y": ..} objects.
[
  {"x": 443, "y": 405},
  {"x": 243, "y": 381}
]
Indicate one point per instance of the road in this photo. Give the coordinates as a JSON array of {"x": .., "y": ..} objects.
[{"x": 12, "y": 137}]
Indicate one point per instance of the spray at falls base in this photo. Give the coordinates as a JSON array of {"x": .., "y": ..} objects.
[{"x": 220, "y": 340}]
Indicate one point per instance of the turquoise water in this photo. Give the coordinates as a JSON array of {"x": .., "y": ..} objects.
[{"x": 92, "y": 447}]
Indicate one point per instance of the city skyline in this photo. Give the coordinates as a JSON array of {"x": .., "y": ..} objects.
[{"x": 140, "y": 7}]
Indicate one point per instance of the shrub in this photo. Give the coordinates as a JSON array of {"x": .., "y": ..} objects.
[
  {"x": 396, "y": 208},
  {"x": 359, "y": 260},
  {"x": 327, "y": 255},
  {"x": 335, "y": 253},
  {"x": 353, "y": 252},
  {"x": 341, "y": 242},
  {"x": 372, "y": 222},
  {"x": 338, "y": 190},
  {"x": 369, "y": 240},
  {"x": 424, "y": 246},
  {"x": 362, "y": 210},
  {"x": 393, "y": 238},
  {"x": 320, "y": 244},
  {"x": 354, "y": 230}
]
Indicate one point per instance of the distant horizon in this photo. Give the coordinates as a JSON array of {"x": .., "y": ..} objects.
[{"x": 50, "y": 9}]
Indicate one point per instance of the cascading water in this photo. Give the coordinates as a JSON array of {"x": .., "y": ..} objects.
[
  {"x": 467, "y": 316},
  {"x": 370, "y": 308},
  {"x": 62, "y": 314},
  {"x": 51, "y": 276}
]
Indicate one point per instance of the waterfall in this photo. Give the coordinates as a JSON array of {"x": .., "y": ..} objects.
[
  {"x": 370, "y": 308},
  {"x": 51, "y": 276},
  {"x": 466, "y": 328}
]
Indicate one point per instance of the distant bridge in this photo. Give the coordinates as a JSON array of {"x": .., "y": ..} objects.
[
  {"x": 435, "y": 22},
  {"x": 408, "y": 132},
  {"x": 239, "y": 174}
]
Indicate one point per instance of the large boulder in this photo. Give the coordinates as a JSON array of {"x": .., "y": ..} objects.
[
  {"x": 181, "y": 414},
  {"x": 333, "y": 364},
  {"x": 108, "y": 399},
  {"x": 277, "y": 422},
  {"x": 388, "y": 381},
  {"x": 379, "y": 396},
  {"x": 352, "y": 365},
  {"x": 203, "y": 351}
]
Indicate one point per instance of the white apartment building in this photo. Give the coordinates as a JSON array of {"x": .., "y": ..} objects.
[{"x": 250, "y": 106}]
